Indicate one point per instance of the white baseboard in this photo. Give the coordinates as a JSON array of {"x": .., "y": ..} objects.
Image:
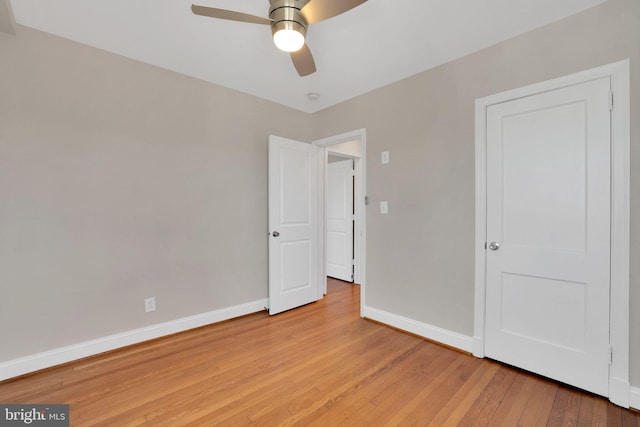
[
  {"x": 434, "y": 333},
  {"x": 619, "y": 391},
  {"x": 478, "y": 347},
  {"x": 634, "y": 400},
  {"x": 47, "y": 359}
]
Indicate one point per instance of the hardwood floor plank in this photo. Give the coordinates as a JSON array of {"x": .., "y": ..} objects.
[
  {"x": 460, "y": 403},
  {"x": 539, "y": 406},
  {"x": 301, "y": 394},
  {"x": 512, "y": 406},
  {"x": 318, "y": 365},
  {"x": 397, "y": 373},
  {"x": 437, "y": 393},
  {"x": 630, "y": 419},
  {"x": 380, "y": 363},
  {"x": 614, "y": 416},
  {"x": 585, "y": 415},
  {"x": 565, "y": 409},
  {"x": 599, "y": 418},
  {"x": 484, "y": 407},
  {"x": 403, "y": 384}
]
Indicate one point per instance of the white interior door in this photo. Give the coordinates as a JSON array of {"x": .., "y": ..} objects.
[
  {"x": 340, "y": 220},
  {"x": 548, "y": 231},
  {"x": 294, "y": 182}
]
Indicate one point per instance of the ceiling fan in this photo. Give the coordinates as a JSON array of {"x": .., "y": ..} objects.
[{"x": 289, "y": 20}]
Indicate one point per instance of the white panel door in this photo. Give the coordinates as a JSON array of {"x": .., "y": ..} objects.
[
  {"x": 294, "y": 182},
  {"x": 340, "y": 220},
  {"x": 548, "y": 210}
]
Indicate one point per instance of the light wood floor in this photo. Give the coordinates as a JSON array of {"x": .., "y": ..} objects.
[{"x": 317, "y": 365}]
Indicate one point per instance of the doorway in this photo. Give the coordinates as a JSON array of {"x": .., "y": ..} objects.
[{"x": 350, "y": 145}]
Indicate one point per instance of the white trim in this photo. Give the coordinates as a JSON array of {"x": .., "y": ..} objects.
[
  {"x": 620, "y": 231},
  {"x": 619, "y": 387},
  {"x": 360, "y": 192},
  {"x": 434, "y": 333},
  {"x": 5, "y": 8},
  {"x": 481, "y": 229},
  {"x": 634, "y": 401},
  {"x": 47, "y": 359},
  {"x": 322, "y": 214}
]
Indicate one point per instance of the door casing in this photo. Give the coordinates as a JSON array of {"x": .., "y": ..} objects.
[
  {"x": 359, "y": 195},
  {"x": 619, "y": 387}
]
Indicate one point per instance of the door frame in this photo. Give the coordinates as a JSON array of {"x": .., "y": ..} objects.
[
  {"x": 360, "y": 211},
  {"x": 619, "y": 386}
]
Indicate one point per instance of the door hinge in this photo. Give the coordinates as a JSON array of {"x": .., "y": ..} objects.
[
  {"x": 610, "y": 355},
  {"x": 611, "y": 101},
  {"x": 353, "y": 262},
  {"x": 353, "y": 172},
  {"x": 353, "y": 217}
]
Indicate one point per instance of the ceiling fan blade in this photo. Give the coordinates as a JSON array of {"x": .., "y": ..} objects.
[
  {"x": 319, "y": 10},
  {"x": 303, "y": 61},
  {"x": 230, "y": 15}
]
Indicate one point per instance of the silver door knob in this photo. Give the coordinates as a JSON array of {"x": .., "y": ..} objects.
[
  {"x": 275, "y": 234},
  {"x": 494, "y": 246}
]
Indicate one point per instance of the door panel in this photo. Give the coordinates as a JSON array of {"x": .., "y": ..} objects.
[
  {"x": 294, "y": 182},
  {"x": 536, "y": 204},
  {"x": 544, "y": 297},
  {"x": 548, "y": 207},
  {"x": 340, "y": 220},
  {"x": 295, "y": 166}
]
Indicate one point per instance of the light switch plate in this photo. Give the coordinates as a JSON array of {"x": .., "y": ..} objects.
[
  {"x": 384, "y": 208},
  {"x": 384, "y": 157}
]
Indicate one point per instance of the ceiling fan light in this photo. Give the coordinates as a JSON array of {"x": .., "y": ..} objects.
[{"x": 288, "y": 40}]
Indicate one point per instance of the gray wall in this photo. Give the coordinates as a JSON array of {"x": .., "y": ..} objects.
[
  {"x": 420, "y": 257},
  {"x": 120, "y": 181}
]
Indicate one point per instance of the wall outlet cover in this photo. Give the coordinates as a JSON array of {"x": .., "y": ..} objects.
[{"x": 149, "y": 304}]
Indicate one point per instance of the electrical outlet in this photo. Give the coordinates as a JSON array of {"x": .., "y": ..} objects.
[
  {"x": 384, "y": 208},
  {"x": 150, "y": 304}
]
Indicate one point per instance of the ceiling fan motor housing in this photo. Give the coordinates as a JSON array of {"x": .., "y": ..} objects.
[{"x": 285, "y": 15}]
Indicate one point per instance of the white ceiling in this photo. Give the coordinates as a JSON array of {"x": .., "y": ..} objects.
[{"x": 375, "y": 44}]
